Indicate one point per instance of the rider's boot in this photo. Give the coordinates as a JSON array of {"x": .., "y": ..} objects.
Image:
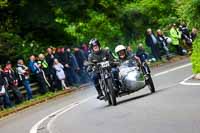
[{"x": 100, "y": 94}]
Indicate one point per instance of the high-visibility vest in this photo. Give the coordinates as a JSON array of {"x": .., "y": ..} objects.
[{"x": 43, "y": 63}]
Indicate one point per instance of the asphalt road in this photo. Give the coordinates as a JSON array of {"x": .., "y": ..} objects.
[{"x": 174, "y": 108}]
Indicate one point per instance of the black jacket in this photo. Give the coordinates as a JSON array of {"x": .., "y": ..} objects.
[
  {"x": 149, "y": 40},
  {"x": 50, "y": 60},
  {"x": 80, "y": 57},
  {"x": 65, "y": 58},
  {"x": 161, "y": 41},
  {"x": 11, "y": 77},
  {"x": 2, "y": 79},
  {"x": 100, "y": 56},
  {"x": 141, "y": 54}
]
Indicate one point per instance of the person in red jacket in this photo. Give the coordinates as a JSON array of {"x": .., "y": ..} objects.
[{"x": 12, "y": 82}]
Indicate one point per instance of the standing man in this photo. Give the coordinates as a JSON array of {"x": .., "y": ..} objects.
[
  {"x": 35, "y": 69},
  {"x": 50, "y": 60},
  {"x": 162, "y": 40},
  {"x": 129, "y": 50},
  {"x": 80, "y": 57},
  {"x": 152, "y": 42},
  {"x": 42, "y": 63},
  {"x": 12, "y": 82},
  {"x": 193, "y": 34},
  {"x": 85, "y": 49},
  {"x": 4, "y": 98},
  {"x": 70, "y": 65},
  {"x": 176, "y": 36},
  {"x": 23, "y": 73}
]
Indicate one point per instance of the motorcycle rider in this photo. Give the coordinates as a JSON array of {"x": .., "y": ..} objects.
[
  {"x": 122, "y": 53},
  {"x": 97, "y": 55},
  {"x": 123, "y": 56}
]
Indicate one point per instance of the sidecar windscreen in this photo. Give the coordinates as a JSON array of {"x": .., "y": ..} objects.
[{"x": 129, "y": 63}]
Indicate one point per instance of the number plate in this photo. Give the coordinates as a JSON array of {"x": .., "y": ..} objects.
[{"x": 105, "y": 64}]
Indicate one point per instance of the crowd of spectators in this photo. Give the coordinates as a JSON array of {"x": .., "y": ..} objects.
[
  {"x": 179, "y": 39},
  {"x": 61, "y": 68}
]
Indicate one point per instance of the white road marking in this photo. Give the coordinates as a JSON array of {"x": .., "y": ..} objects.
[
  {"x": 59, "y": 112},
  {"x": 184, "y": 82},
  {"x": 65, "y": 110},
  {"x": 171, "y": 70}
]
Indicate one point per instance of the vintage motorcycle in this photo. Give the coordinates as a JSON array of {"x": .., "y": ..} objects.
[{"x": 130, "y": 78}]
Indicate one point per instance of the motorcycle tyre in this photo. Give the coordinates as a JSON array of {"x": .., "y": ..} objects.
[
  {"x": 112, "y": 94},
  {"x": 150, "y": 84},
  {"x": 109, "y": 99}
]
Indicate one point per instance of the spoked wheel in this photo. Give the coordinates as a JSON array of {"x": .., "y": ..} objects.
[
  {"x": 150, "y": 83},
  {"x": 146, "y": 71},
  {"x": 109, "y": 99},
  {"x": 112, "y": 94},
  {"x": 107, "y": 96}
]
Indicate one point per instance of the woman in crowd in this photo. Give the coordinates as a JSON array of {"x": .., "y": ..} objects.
[{"x": 60, "y": 73}]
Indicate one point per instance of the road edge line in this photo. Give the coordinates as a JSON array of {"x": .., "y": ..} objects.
[
  {"x": 188, "y": 83},
  {"x": 35, "y": 127}
]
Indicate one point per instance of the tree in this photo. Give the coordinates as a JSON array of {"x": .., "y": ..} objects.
[{"x": 188, "y": 11}]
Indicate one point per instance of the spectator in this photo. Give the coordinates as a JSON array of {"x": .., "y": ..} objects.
[
  {"x": 65, "y": 61},
  {"x": 141, "y": 53},
  {"x": 23, "y": 73},
  {"x": 2, "y": 91},
  {"x": 193, "y": 34},
  {"x": 162, "y": 40},
  {"x": 50, "y": 57},
  {"x": 80, "y": 57},
  {"x": 69, "y": 66},
  {"x": 58, "y": 54},
  {"x": 36, "y": 70},
  {"x": 85, "y": 50},
  {"x": 42, "y": 63},
  {"x": 4, "y": 98},
  {"x": 52, "y": 77},
  {"x": 109, "y": 51},
  {"x": 74, "y": 67},
  {"x": 60, "y": 73},
  {"x": 185, "y": 36},
  {"x": 176, "y": 36},
  {"x": 129, "y": 51},
  {"x": 12, "y": 82},
  {"x": 152, "y": 42}
]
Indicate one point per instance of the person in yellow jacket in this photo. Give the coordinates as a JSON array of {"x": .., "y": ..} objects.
[
  {"x": 175, "y": 35},
  {"x": 42, "y": 63}
]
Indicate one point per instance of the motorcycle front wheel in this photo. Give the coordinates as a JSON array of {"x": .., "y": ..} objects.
[{"x": 111, "y": 93}]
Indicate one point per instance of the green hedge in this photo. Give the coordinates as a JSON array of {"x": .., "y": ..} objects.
[{"x": 196, "y": 57}]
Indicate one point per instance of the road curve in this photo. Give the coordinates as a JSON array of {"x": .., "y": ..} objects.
[{"x": 173, "y": 108}]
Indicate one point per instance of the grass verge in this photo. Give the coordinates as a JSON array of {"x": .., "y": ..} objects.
[{"x": 37, "y": 100}]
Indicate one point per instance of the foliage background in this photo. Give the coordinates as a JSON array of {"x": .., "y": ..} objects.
[{"x": 29, "y": 26}]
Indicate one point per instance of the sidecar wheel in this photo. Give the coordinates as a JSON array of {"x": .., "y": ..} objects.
[
  {"x": 151, "y": 84},
  {"x": 111, "y": 92}
]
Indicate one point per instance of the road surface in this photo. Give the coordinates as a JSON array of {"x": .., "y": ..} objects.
[{"x": 174, "y": 108}]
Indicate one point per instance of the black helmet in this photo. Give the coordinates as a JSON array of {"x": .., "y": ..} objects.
[{"x": 94, "y": 42}]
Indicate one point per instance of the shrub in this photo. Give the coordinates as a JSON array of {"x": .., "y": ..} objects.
[{"x": 196, "y": 57}]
